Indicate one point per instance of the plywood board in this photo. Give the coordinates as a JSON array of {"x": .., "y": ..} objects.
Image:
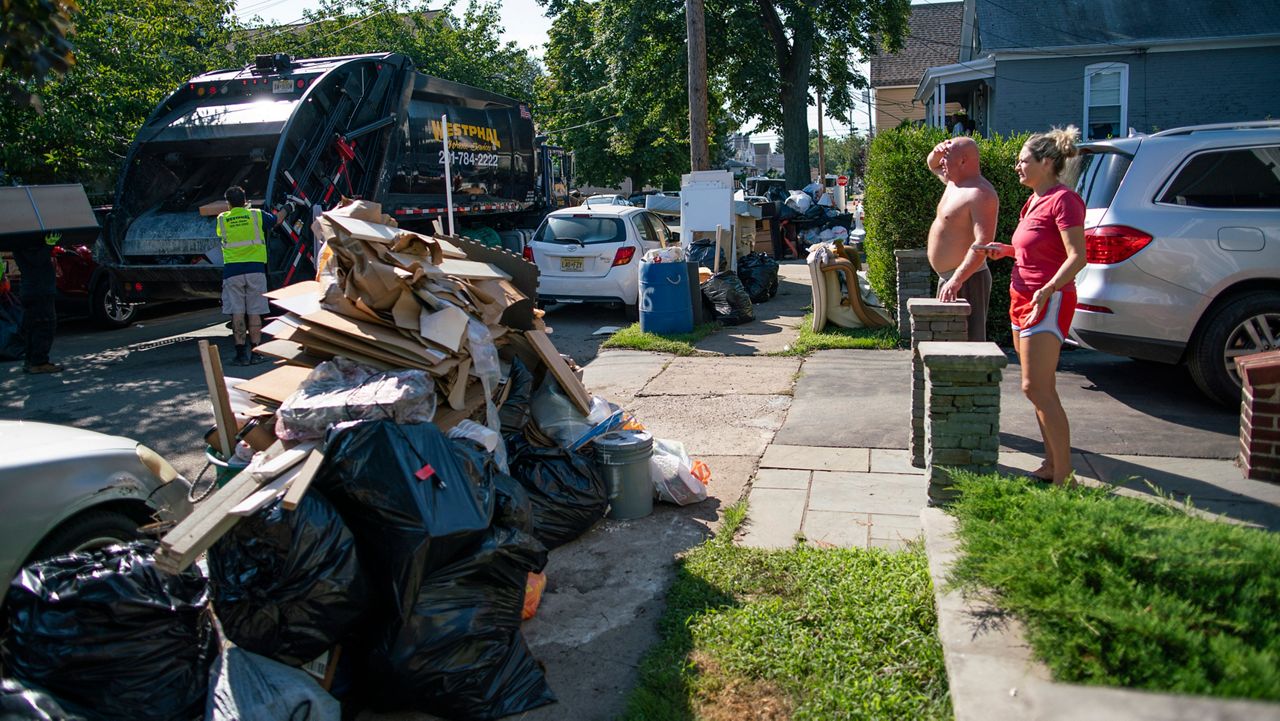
[
  {"x": 560, "y": 370},
  {"x": 299, "y": 303},
  {"x": 371, "y": 333},
  {"x": 277, "y": 384},
  {"x": 301, "y": 482},
  {"x": 223, "y": 417}
]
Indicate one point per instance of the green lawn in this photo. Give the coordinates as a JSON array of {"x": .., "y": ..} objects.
[
  {"x": 833, "y": 337},
  {"x": 804, "y": 633},
  {"x": 633, "y": 338},
  {"x": 1119, "y": 591}
]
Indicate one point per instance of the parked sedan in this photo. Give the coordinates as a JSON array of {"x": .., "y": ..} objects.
[
  {"x": 592, "y": 255},
  {"x": 66, "y": 489}
]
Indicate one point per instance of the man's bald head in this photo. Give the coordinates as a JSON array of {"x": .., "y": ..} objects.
[{"x": 961, "y": 160}]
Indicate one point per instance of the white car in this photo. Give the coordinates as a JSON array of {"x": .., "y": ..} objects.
[
  {"x": 592, "y": 255},
  {"x": 609, "y": 199}
]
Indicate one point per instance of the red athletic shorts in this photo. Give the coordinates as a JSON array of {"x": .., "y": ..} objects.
[{"x": 1054, "y": 318}]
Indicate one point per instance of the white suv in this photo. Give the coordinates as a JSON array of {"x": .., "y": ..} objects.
[
  {"x": 1183, "y": 238},
  {"x": 592, "y": 255}
]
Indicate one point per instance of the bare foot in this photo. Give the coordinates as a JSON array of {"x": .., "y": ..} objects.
[{"x": 1044, "y": 472}]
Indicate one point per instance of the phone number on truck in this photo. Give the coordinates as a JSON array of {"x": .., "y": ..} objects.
[{"x": 480, "y": 160}]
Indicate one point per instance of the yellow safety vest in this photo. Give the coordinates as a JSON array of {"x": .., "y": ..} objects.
[{"x": 242, "y": 236}]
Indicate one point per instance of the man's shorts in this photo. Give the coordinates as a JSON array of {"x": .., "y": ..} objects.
[
  {"x": 1054, "y": 318},
  {"x": 245, "y": 294}
]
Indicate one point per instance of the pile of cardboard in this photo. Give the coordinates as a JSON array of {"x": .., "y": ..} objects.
[{"x": 390, "y": 299}]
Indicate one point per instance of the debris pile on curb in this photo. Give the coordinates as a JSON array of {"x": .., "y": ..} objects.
[{"x": 415, "y": 454}]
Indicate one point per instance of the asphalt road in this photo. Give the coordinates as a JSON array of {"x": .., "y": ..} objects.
[{"x": 146, "y": 382}]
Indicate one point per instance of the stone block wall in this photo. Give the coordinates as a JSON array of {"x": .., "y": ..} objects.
[
  {"x": 915, "y": 280},
  {"x": 931, "y": 320},
  {"x": 962, "y": 411},
  {"x": 1259, "y": 457}
]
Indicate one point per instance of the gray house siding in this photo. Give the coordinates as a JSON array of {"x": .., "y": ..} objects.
[{"x": 1166, "y": 90}]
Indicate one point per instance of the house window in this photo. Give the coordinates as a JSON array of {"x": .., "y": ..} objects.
[{"x": 1106, "y": 100}]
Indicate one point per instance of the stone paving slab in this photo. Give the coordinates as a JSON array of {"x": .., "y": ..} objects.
[
  {"x": 892, "y": 460},
  {"x": 781, "y": 478},
  {"x": 867, "y": 493},
  {"x": 1015, "y": 462},
  {"x": 618, "y": 375},
  {"x": 752, "y": 375},
  {"x": 719, "y": 426},
  {"x": 816, "y": 458},
  {"x": 846, "y": 530},
  {"x": 776, "y": 516},
  {"x": 851, "y": 399}
]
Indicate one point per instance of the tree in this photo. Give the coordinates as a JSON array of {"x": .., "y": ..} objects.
[
  {"x": 771, "y": 52},
  {"x": 845, "y": 155},
  {"x": 34, "y": 44},
  {"x": 614, "y": 91},
  {"x": 130, "y": 54}
]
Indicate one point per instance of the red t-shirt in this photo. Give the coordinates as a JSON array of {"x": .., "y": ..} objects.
[{"x": 1037, "y": 241}]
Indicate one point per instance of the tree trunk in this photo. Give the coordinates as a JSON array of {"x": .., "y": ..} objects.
[
  {"x": 697, "y": 44},
  {"x": 795, "y": 107}
]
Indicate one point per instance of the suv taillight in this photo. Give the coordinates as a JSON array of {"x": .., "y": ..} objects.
[
  {"x": 623, "y": 256},
  {"x": 527, "y": 253},
  {"x": 1110, "y": 244}
]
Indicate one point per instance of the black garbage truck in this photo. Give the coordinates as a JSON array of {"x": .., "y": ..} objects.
[{"x": 300, "y": 134}]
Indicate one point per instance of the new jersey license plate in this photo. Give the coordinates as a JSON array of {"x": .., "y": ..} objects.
[
  {"x": 571, "y": 265},
  {"x": 282, "y": 86}
]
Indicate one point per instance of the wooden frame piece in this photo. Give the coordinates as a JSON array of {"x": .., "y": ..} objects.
[
  {"x": 223, "y": 417},
  {"x": 565, "y": 377}
]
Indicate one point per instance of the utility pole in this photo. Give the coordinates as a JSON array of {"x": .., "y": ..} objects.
[{"x": 699, "y": 155}]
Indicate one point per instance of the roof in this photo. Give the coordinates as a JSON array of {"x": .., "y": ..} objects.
[
  {"x": 933, "y": 38},
  {"x": 1020, "y": 24}
]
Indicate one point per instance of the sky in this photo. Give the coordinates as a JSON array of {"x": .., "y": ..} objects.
[{"x": 524, "y": 23}]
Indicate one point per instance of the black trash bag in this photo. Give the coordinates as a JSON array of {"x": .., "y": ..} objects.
[
  {"x": 19, "y": 702},
  {"x": 244, "y": 686},
  {"x": 703, "y": 252},
  {"x": 107, "y": 631},
  {"x": 786, "y": 212},
  {"x": 461, "y": 655},
  {"x": 516, "y": 409},
  {"x": 408, "y": 502},
  {"x": 567, "y": 492},
  {"x": 729, "y": 298},
  {"x": 287, "y": 584},
  {"x": 759, "y": 275},
  {"x": 12, "y": 344}
]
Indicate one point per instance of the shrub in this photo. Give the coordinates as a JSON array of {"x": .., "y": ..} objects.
[{"x": 902, "y": 197}]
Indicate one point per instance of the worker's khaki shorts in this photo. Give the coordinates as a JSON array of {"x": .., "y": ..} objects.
[{"x": 245, "y": 294}]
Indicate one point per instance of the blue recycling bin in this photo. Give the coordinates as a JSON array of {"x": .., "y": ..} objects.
[{"x": 665, "y": 305}]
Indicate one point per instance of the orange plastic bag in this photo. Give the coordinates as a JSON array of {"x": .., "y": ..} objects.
[
  {"x": 701, "y": 471},
  {"x": 533, "y": 587}
]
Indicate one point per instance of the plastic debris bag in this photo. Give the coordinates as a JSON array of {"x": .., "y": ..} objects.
[
  {"x": 729, "y": 298},
  {"x": 19, "y": 702},
  {"x": 516, "y": 409},
  {"x": 759, "y": 275},
  {"x": 703, "y": 252},
  {"x": 343, "y": 390},
  {"x": 460, "y": 653},
  {"x": 247, "y": 687},
  {"x": 287, "y": 584},
  {"x": 672, "y": 472},
  {"x": 107, "y": 631},
  {"x": 409, "y": 503},
  {"x": 567, "y": 491},
  {"x": 671, "y": 254},
  {"x": 534, "y": 585},
  {"x": 799, "y": 201},
  {"x": 557, "y": 417},
  {"x": 484, "y": 437}
]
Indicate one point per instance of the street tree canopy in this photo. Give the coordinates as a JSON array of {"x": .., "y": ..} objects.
[{"x": 34, "y": 44}]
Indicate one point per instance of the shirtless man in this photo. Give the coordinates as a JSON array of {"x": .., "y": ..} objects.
[{"x": 966, "y": 217}]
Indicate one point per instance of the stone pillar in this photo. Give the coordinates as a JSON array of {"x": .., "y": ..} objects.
[
  {"x": 915, "y": 280},
  {"x": 1260, "y": 415},
  {"x": 931, "y": 320},
  {"x": 962, "y": 418}
]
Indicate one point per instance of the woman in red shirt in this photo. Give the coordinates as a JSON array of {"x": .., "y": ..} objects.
[{"x": 1048, "y": 250}]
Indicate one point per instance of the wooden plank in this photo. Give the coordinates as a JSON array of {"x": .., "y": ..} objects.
[
  {"x": 223, "y": 417},
  {"x": 569, "y": 382},
  {"x": 276, "y": 384},
  {"x": 301, "y": 482}
]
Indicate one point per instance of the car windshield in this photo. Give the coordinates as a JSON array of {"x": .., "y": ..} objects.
[
  {"x": 1100, "y": 176},
  {"x": 589, "y": 230}
]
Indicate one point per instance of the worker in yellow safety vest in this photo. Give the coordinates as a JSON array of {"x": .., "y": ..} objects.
[{"x": 243, "y": 232}]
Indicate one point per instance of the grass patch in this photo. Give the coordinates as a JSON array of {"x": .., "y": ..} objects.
[
  {"x": 1119, "y": 591},
  {"x": 633, "y": 338},
  {"x": 836, "y": 338},
  {"x": 803, "y": 633}
]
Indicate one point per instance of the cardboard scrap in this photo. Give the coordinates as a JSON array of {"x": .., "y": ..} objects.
[
  {"x": 276, "y": 384},
  {"x": 568, "y": 381}
]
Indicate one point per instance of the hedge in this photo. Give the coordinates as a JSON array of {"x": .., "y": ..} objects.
[{"x": 902, "y": 197}]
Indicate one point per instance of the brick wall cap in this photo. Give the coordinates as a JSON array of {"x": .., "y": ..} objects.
[
  {"x": 1258, "y": 369},
  {"x": 962, "y": 354},
  {"x": 933, "y": 306},
  {"x": 910, "y": 253}
]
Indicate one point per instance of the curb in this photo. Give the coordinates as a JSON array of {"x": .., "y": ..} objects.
[{"x": 994, "y": 676}]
